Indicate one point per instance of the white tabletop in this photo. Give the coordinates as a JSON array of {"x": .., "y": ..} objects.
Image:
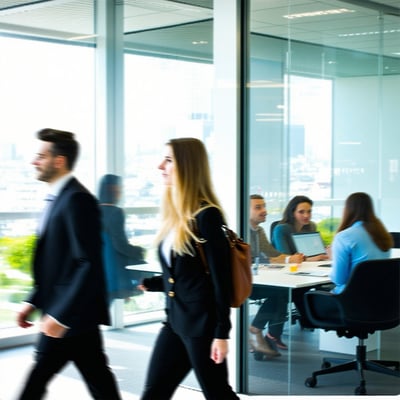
[
  {"x": 153, "y": 267},
  {"x": 282, "y": 277}
]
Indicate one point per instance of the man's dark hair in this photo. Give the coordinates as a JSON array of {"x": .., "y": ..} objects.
[
  {"x": 64, "y": 144},
  {"x": 256, "y": 197}
]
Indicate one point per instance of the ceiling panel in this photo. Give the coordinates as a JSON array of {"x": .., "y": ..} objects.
[
  {"x": 357, "y": 30},
  {"x": 61, "y": 19}
]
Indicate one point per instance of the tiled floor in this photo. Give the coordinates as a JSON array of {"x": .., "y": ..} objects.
[
  {"x": 67, "y": 386},
  {"x": 128, "y": 360},
  {"x": 129, "y": 349}
]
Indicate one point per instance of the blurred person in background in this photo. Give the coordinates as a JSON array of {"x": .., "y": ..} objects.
[{"x": 118, "y": 252}]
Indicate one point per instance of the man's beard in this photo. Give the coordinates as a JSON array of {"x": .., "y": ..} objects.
[{"x": 47, "y": 175}]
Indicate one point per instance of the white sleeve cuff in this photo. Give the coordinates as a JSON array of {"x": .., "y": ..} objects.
[{"x": 58, "y": 322}]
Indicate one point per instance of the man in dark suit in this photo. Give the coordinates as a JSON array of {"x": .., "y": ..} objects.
[{"x": 69, "y": 285}]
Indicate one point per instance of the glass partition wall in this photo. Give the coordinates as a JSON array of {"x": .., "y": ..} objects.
[{"x": 323, "y": 88}]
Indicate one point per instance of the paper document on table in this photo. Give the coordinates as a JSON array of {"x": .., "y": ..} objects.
[
  {"x": 311, "y": 273},
  {"x": 274, "y": 266}
]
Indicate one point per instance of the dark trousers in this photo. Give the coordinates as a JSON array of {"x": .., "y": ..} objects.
[
  {"x": 85, "y": 351},
  {"x": 273, "y": 310},
  {"x": 172, "y": 359}
]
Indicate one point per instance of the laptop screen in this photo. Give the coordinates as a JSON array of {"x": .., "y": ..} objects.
[{"x": 310, "y": 244}]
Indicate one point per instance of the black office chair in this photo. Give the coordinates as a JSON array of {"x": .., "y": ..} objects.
[
  {"x": 396, "y": 238},
  {"x": 369, "y": 303}
]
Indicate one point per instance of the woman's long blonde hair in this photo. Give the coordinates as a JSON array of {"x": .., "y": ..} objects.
[{"x": 192, "y": 191}]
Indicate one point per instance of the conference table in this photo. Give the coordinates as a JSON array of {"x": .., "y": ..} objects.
[{"x": 308, "y": 274}]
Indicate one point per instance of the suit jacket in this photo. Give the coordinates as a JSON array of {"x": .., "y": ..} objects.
[
  {"x": 197, "y": 302},
  {"x": 69, "y": 282},
  {"x": 118, "y": 253}
]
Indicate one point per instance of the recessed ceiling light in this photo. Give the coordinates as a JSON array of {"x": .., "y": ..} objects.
[
  {"x": 319, "y": 13},
  {"x": 369, "y": 33},
  {"x": 200, "y": 42}
]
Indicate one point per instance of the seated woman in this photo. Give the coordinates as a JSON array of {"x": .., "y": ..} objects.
[
  {"x": 360, "y": 236},
  {"x": 117, "y": 251},
  {"x": 296, "y": 219}
]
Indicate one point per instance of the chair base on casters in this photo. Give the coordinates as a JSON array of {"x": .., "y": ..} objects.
[{"x": 360, "y": 364}]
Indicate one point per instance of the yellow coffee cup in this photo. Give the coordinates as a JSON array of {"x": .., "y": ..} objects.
[{"x": 293, "y": 267}]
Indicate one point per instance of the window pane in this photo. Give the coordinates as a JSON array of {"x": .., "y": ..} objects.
[
  {"x": 43, "y": 84},
  {"x": 164, "y": 98}
]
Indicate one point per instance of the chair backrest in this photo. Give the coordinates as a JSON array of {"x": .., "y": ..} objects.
[
  {"x": 271, "y": 229},
  {"x": 396, "y": 238},
  {"x": 372, "y": 296}
]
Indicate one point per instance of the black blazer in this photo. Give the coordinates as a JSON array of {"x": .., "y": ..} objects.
[
  {"x": 69, "y": 282},
  {"x": 198, "y": 303}
]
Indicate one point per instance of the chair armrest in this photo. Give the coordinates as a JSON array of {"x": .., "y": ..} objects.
[{"x": 324, "y": 309}]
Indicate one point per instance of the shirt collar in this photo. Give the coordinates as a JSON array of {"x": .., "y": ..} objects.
[
  {"x": 256, "y": 229},
  {"x": 358, "y": 223},
  {"x": 57, "y": 186}
]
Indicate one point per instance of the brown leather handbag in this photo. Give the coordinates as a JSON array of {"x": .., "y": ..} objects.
[{"x": 240, "y": 260}]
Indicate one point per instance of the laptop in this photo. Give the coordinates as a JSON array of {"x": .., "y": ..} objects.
[{"x": 310, "y": 244}]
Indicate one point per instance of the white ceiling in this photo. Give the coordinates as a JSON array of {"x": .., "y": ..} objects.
[{"x": 355, "y": 30}]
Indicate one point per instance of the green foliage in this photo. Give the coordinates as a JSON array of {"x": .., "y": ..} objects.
[
  {"x": 327, "y": 227},
  {"x": 4, "y": 280},
  {"x": 18, "y": 252},
  {"x": 17, "y": 297}
]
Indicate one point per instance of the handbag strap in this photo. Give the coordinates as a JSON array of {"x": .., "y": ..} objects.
[
  {"x": 199, "y": 246},
  {"x": 200, "y": 250}
]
